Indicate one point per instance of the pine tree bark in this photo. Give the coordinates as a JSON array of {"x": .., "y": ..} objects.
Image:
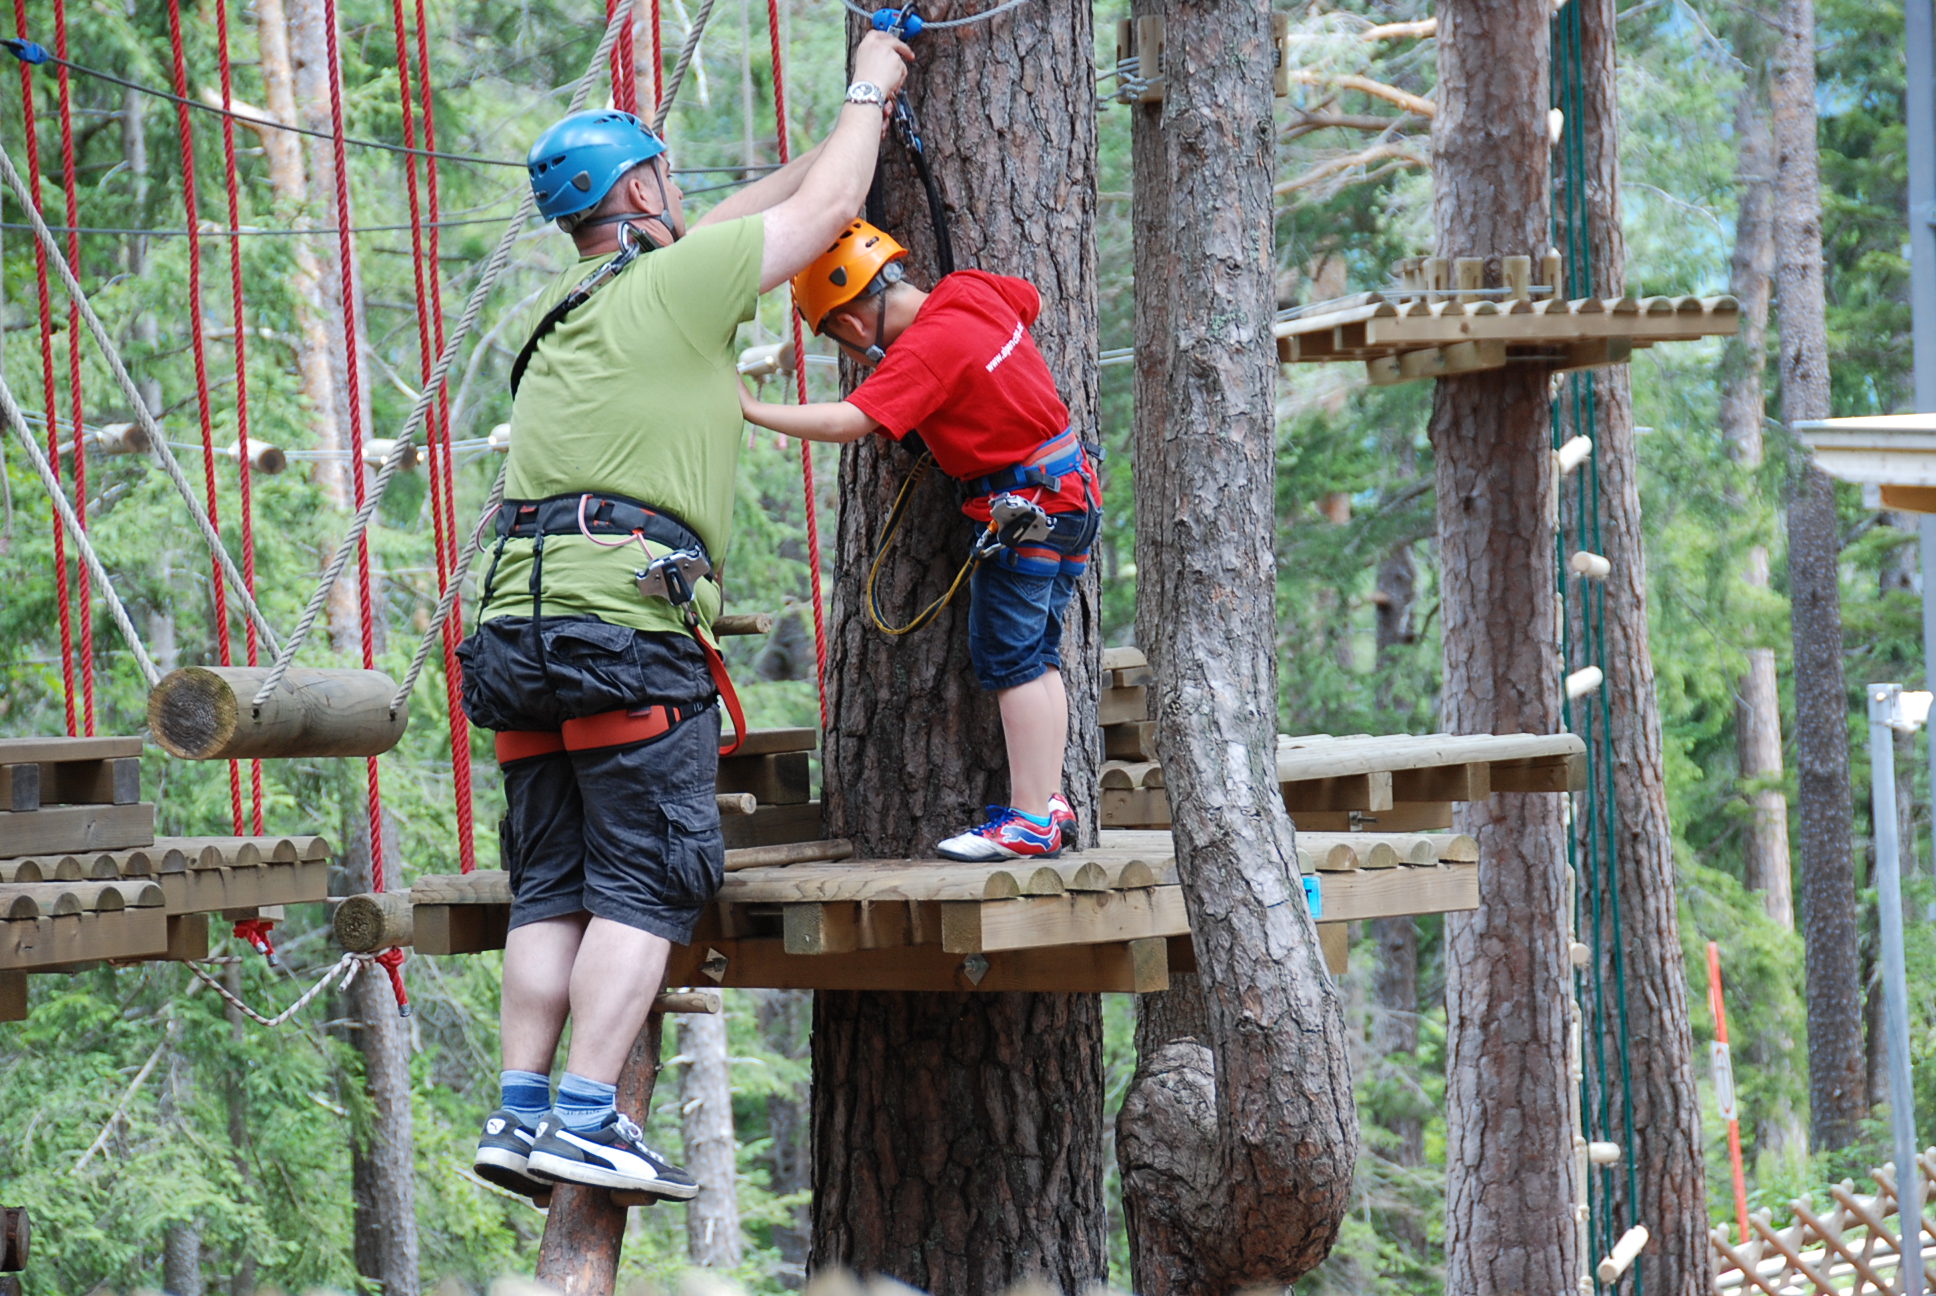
[
  {"x": 1652, "y": 1034},
  {"x": 1238, "y": 1135},
  {"x": 1837, "y": 1091},
  {"x": 974, "y": 1158},
  {"x": 1743, "y": 407},
  {"x": 1510, "y": 1198},
  {"x": 383, "y": 1176},
  {"x": 706, "y": 1119},
  {"x": 784, "y": 1017}
]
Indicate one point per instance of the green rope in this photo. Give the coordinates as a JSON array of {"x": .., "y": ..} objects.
[{"x": 1597, "y": 895}]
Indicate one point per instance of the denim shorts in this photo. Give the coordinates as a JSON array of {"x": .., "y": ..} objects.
[
  {"x": 626, "y": 833},
  {"x": 1016, "y": 600}
]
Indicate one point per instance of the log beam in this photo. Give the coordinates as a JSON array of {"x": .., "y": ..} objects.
[{"x": 207, "y": 713}]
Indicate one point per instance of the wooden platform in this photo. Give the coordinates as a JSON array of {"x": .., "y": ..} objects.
[
  {"x": 1112, "y": 918},
  {"x": 1444, "y": 318},
  {"x": 82, "y": 881}
]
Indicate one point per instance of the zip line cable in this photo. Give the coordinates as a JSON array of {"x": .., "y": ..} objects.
[
  {"x": 939, "y": 24},
  {"x": 406, "y": 438}
]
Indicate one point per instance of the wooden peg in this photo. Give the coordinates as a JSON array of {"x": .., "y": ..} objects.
[
  {"x": 1517, "y": 271},
  {"x": 1573, "y": 453},
  {"x": 1603, "y": 1153},
  {"x": 1470, "y": 275},
  {"x": 1436, "y": 271},
  {"x": 264, "y": 458},
  {"x": 1590, "y": 565},
  {"x": 1553, "y": 271},
  {"x": 1584, "y": 681},
  {"x": 1624, "y": 1253}
]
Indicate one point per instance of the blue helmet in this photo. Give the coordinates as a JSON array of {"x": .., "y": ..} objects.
[{"x": 575, "y": 163}]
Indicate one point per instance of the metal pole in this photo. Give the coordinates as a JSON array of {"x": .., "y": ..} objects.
[
  {"x": 1919, "y": 23},
  {"x": 1884, "y": 715}
]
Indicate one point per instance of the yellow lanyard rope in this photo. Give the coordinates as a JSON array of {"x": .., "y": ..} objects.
[{"x": 933, "y": 609}]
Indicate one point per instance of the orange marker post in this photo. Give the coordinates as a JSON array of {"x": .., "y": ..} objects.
[{"x": 1723, "y": 1065}]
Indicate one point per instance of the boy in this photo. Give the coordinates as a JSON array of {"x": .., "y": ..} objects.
[{"x": 958, "y": 362}]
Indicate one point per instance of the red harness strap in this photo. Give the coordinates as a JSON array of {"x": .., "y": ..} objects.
[
  {"x": 622, "y": 727},
  {"x": 724, "y": 683}
]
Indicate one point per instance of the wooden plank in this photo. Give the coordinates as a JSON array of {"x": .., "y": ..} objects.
[
  {"x": 76, "y": 828},
  {"x": 773, "y": 825},
  {"x": 1396, "y": 892},
  {"x": 1139, "y": 808},
  {"x": 462, "y": 929},
  {"x": 782, "y": 778},
  {"x": 1334, "y": 942},
  {"x": 1130, "y": 967},
  {"x": 1471, "y": 782},
  {"x": 1045, "y": 921},
  {"x": 1368, "y": 791},
  {"x": 1412, "y": 816},
  {"x": 1123, "y": 658},
  {"x": 84, "y": 938},
  {"x": 1133, "y": 740},
  {"x": 228, "y": 852},
  {"x": 19, "y": 751},
  {"x": 214, "y": 890},
  {"x": 1123, "y": 775},
  {"x": 1120, "y": 705},
  {"x": 1129, "y": 677},
  {"x": 821, "y": 928},
  {"x": 19, "y": 787},
  {"x": 1541, "y": 774},
  {"x": 187, "y": 937},
  {"x": 768, "y": 742},
  {"x": 13, "y": 996},
  {"x": 52, "y": 899}
]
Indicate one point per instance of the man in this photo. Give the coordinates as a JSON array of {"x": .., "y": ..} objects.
[{"x": 593, "y": 660}]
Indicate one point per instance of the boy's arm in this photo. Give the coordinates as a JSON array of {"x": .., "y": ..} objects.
[
  {"x": 769, "y": 190},
  {"x": 836, "y": 422}
]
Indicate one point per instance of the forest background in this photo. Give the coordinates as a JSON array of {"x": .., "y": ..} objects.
[{"x": 157, "y": 1141}]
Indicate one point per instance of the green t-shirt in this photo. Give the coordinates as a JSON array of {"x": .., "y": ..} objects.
[{"x": 634, "y": 394}]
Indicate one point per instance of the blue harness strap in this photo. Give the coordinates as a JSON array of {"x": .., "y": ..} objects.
[{"x": 1053, "y": 460}]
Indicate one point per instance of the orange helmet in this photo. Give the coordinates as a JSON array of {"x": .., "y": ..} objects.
[{"x": 844, "y": 271}]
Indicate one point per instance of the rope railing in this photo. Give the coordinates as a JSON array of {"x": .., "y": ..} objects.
[
  {"x": 157, "y": 441},
  {"x": 406, "y": 439}
]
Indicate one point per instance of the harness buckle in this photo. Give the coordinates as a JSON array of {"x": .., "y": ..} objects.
[{"x": 671, "y": 577}]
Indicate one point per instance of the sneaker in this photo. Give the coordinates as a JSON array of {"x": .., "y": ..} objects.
[
  {"x": 1063, "y": 816},
  {"x": 1006, "y": 835},
  {"x": 612, "y": 1156},
  {"x": 504, "y": 1154}
]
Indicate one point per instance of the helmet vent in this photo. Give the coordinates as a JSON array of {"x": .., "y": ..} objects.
[
  {"x": 839, "y": 276},
  {"x": 582, "y": 182}
]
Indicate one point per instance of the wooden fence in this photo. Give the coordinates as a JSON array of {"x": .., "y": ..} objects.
[{"x": 1853, "y": 1247}]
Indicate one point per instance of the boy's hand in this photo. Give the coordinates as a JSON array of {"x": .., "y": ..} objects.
[{"x": 883, "y": 60}]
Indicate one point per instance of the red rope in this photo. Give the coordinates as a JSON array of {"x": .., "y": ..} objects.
[
  {"x": 83, "y": 595},
  {"x": 241, "y": 372},
  {"x": 49, "y": 400},
  {"x": 353, "y": 410},
  {"x": 441, "y": 472},
  {"x": 658, "y": 62},
  {"x": 800, "y": 393},
  {"x": 625, "y": 72},
  {"x": 192, "y": 210}
]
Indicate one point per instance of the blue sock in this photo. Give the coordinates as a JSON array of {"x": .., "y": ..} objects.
[
  {"x": 527, "y": 1095},
  {"x": 585, "y": 1105},
  {"x": 1040, "y": 821}
]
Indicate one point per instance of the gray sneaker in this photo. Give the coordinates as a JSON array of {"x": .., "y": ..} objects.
[
  {"x": 504, "y": 1152},
  {"x": 613, "y": 1156}
]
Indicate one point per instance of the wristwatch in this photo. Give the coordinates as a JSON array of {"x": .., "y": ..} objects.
[{"x": 865, "y": 92}]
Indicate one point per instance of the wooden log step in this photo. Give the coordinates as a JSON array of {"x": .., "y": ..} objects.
[
  {"x": 376, "y": 921},
  {"x": 781, "y": 778},
  {"x": 1397, "y": 892},
  {"x": 1371, "y": 790},
  {"x": 743, "y": 623},
  {"x": 208, "y": 713},
  {"x": 1123, "y": 775},
  {"x": 1040, "y": 922},
  {"x": 166, "y": 855},
  {"x": 1139, "y": 808},
  {"x": 1133, "y": 740},
  {"x": 768, "y": 742},
  {"x": 1127, "y": 657},
  {"x": 76, "y": 828},
  {"x": 1322, "y": 756},
  {"x": 226, "y": 890},
  {"x": 47, "y": 751},
  {"x": 59, "y": 899}
]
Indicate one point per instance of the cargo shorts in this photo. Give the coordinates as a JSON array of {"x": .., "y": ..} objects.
[{"x": 628, "y": 833}]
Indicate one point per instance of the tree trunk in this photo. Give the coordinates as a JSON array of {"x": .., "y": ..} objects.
[
  {"x": 1743, "y": 407},
  {"x": 785, "y": 1016},
  {"x": 585, "y": 1228},
  {"x": 706, "y": 1119},
  {"x": 975, "y": 1158},
  {"x": 1837, "y": 1094},
  {"x": 1646, "y": 1028},
  {"x": 1238, "y": 1135},
  {"x": 1510, "y": 1224},
  {"x": 181, "y": 1260},
  {"x": 235, "y": 1094},
  {"x": 382, "y": 1157}
]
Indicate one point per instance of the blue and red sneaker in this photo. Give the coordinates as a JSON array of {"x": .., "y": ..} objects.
[
  {"x": 1007, "y": 835},
  {"x": 1063, "y": 815}
]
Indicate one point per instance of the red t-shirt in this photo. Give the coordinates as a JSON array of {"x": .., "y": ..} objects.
[{"x": 967, "y": 374}]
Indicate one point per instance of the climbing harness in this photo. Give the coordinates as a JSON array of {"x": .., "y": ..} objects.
[
  {"x": 905, "y": 24},
  {"x": 631, "y": 246},
  {"x": 670, "y": 576}
]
